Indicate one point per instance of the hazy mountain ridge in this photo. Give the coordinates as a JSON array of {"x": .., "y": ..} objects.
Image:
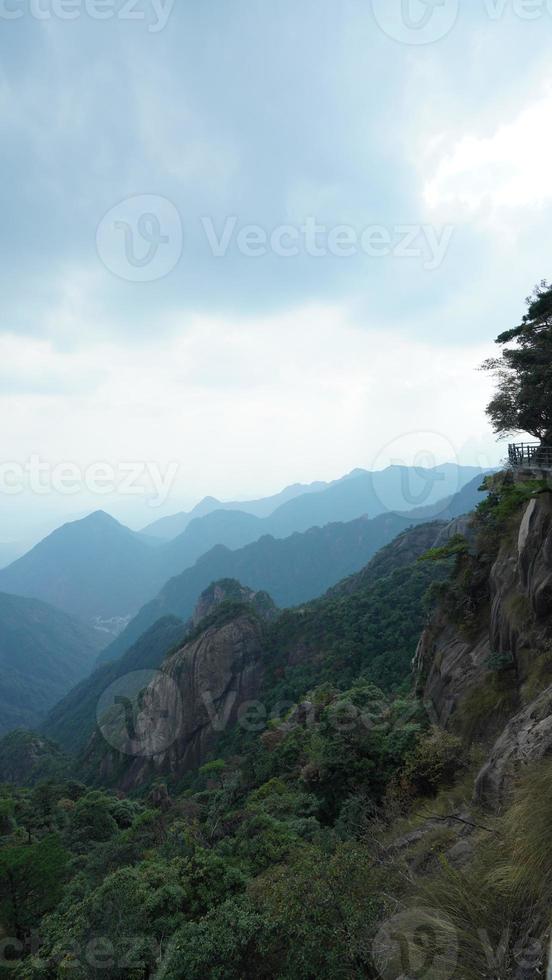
[
  {"x": 292, "y": 570},
  {"x": 357, "y": 495},
  {"x": 95, "y": 567},
  {"x": 43, "y": 653},
  {"x": 170, "y": 527},
  {"x": 100, "y": 570}
]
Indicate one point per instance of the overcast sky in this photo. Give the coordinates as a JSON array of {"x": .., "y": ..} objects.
[{"x": 253, "y": 242}]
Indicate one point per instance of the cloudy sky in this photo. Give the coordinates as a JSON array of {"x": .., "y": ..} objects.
[{"x": 252, "y": 242}]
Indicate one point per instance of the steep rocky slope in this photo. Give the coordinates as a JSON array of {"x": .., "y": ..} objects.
[
  {"x": 485, "y": 662},
  {"x": 72, "y": 721},
  {"x": 240, "y": 649},
  {"x": 465, "y": 841},
  {"x": 198, "y": 693}
]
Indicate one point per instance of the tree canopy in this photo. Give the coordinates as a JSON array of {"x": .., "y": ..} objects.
[{"x": 523, "y": 401}]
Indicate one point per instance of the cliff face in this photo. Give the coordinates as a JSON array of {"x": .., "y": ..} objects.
[
  {"x": 493, "y": 679},
  {"x": 230, "y": 590},
  {"x": 186, "y": 705}
]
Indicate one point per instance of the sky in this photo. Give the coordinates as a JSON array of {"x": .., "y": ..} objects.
[{"x": 249, "y": 243}]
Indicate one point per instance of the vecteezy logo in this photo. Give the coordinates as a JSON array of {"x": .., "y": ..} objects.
[
  {"x": 417, "y": 943},
  {"x": 416, "y": 21},
  {"x": 140, "y": 239},
  {"x": 419, "y": 479},
  {"x": 141, "y": 713}
]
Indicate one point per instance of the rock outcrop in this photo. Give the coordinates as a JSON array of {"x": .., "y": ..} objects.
[
  {"x": 197, "y": 695},
  {"x": 230, "y": 590},
  {"x": 508, "y": 647},
  {"x": 526, "y": 738},
  {"x": 450, "y": 666}
]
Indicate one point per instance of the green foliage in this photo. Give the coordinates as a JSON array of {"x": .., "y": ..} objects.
[
  {"x": 523, "y": 402},
  {"x": 505, "y": 501},
  {"x": 31, "y": 880},
  {"x": 267, "y": 862},
  {"x": 498, "y": 906},
  {"x": 27, "y": 758},
  {"x": 436, "y": 761},
  {"x": 372, "y": 632},
  {"x": 322, "y": 909},
  {"x": 457, "y": 545},
  {"x": 92, "y": 818},
  {"x": 220, "y": 946}
]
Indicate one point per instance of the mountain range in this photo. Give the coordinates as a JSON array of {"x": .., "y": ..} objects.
[
  {"x": 168, "y": 528},
  {"x": 101, "y": 571},
  {"x": 74, "y": 719},
  {"x": 292, "y": 570}
]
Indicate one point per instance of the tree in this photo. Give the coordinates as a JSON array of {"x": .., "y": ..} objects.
[
  {"x": 31, "y": 880},
  {"x": 523, "y": 401}
]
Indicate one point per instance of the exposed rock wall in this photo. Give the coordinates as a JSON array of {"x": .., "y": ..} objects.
[
  {"x": 453, "y": 666},
  {"x": 196, "y": 696}
]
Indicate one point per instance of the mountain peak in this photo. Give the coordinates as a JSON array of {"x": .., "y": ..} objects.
[
  {"x": 98, "y": 520},
  {"x": 101, "y": 517}
]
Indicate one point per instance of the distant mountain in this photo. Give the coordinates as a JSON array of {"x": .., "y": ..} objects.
[
  {"x": 92, "y": 568},
  {"x": 169, "y": 527},
  {"x": 102, "y": 572},
  {"x": 292, "y": 570},
  {"x": 233, "y": 529},
  {"x": 396, "y": 489},
  {"x": 43, "y": 654},
  {"x": 9, "y": 553},
  {"x": 457, "y": 505},
  {"x": 299, "y": 507},
  {"x": 72, "y": 720}
]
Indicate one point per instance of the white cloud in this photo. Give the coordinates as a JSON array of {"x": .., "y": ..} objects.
[
  {"x": 247, "y": 406},
  {"x": 509, "y": 169}
]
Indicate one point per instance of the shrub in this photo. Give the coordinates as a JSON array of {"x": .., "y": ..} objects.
[{"x": 434, "y": 763}]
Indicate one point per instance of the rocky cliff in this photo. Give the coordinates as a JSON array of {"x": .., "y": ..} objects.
[
  {"x": 230, "y": 590},
  {"x": 173, "y": 724},
  {"x": 484, "y": 663}
]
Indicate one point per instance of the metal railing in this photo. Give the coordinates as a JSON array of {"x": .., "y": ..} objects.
[{"x": 530, "y": 456}]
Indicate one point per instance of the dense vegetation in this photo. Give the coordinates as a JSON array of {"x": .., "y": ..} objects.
[
  {"x": 114, "y": 887},
  {"x": 286, "y": 853},
  {"x": 207, "y": 876}
]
